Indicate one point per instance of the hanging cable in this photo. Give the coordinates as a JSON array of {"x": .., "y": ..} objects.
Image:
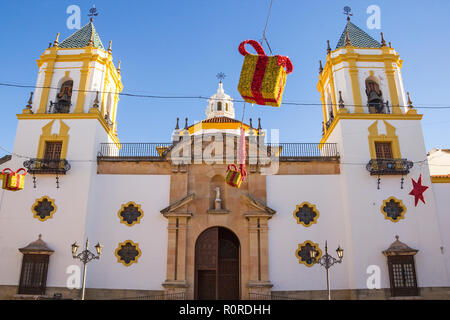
[
  {"x": 265, "y": 28},
  {"x": 293, "y": 103}
]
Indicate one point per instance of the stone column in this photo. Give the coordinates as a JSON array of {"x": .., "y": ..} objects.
[
  {"x": 259, "y": 284},
  {"x": 176, "y": 254}
]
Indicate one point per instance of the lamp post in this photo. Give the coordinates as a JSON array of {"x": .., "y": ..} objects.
[
  {"x": 327, "y": 261},
  {"x": 85, "y": 256}
]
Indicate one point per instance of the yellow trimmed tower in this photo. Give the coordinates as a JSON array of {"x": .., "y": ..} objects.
[
  {"x": 361, "y": 79},
  {"x": 77, "y": 79},
  {"x": 379, "y": 136}
]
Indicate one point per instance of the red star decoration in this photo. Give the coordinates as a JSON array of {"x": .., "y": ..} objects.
[{"x": 418, "y": 190}]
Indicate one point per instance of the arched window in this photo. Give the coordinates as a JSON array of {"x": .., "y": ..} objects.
[
  {"x": 226, "y": 107},
  {"x": 219, "y": 106},
  {"x": 63, "y": 98}
]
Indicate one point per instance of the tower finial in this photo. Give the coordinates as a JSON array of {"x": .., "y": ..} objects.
[
  {"x": 259, "y": 124},
  {"x": 56, "y": 42},
  {"x": 348, "y": 42},
  {"x": 177, "y": 126},
  {"x": 409, "y": 101},
  {"x": 186, "y": 123},
  {"x": 320, "y": 66},
  {"x": 118, "y": 67},
  {"x": 91, "y": 39},
  {"x": 110, "y": 47},
  {"x": 348, "y": 12},
  {"x": 29, "y": 104},
  {"x": 95, "y": 105},
  {"x": 328, "y": 47},
  {"x": 341, "y": 101},
  {"x": 383, "y": 43}
]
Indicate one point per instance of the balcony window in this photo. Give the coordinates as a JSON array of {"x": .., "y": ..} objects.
[{"x": 383, "y": 150}]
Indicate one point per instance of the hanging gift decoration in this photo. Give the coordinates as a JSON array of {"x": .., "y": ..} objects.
[
  {"x": 263, "y": 77},
  {"x": 418, "y": 190},
  {"x": 13, "y": 181},
  {"x": 235, "y": 176}
]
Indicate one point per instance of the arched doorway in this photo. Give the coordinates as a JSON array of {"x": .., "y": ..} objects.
[{"x": 217, "y": 265}]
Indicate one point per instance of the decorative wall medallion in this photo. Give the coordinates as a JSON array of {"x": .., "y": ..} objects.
[
  {"x": 43, "y": 208},
  {"x": 306, "y": 214},
  {"x": 128, "y": 252},
  {"x": 130, "y": 213},
  {"x": 303, "y": 252},
  {"x": 393, "y": 209}
]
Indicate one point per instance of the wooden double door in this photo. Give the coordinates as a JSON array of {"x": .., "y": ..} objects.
[{"x": 217, "y": 265}]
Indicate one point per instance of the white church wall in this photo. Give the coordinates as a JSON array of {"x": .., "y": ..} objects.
[
  {"x": 371, "y": 232},
  {"x": 18, "y": 227},
  {"x": 284, "y": 192},
  {"x": 107, "y": 194}
]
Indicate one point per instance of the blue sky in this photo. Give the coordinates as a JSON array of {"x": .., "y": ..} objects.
[{"x": 177, "y": 48}]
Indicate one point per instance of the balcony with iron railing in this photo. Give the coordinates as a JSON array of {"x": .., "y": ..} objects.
[
  {"x": 379, "y": 107},
  {"x": 282, "y": 151},
  {"x": 389, "y": 166},
  {"x": 61, "y": 106},
  {"x": 47, "y": 166}
]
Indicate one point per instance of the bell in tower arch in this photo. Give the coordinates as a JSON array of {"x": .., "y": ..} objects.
[{"x": 374, "y": 97}]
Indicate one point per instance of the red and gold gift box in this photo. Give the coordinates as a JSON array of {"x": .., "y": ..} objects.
[
  {"x": 263, "y": 77},
  {"x": 234, "y": 176},
  {"x": 13, "y": 181}
]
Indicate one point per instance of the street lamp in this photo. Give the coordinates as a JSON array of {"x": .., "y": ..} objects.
[
  {"x": 327, "y": 261},
  {"x": 85, "y": 256}
]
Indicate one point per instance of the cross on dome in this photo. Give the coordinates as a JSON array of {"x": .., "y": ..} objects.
[{"x": 220, "y": 104}]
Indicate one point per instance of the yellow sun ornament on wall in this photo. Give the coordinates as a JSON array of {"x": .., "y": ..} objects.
[
  {"x": 303, "y": 253},
  {"x": 393, "y": 209},
  {"x": 43, "y": 208},
  {"x": 128, "y": 252},
  {"x": 130, "y": 213},
  {"x": 306, "y": 214}
]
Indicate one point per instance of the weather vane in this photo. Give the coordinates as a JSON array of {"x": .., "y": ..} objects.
[
  {"x": 221, "y": 76},
  {"x": 348, "y": 12},
  {"x": 93, "y": 12}
]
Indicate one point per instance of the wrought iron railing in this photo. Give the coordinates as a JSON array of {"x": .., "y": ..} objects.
[
  {"x": 164, "y": 296},
  {"x": 257, "y": 296},
  {"x": 42, "y": 166},
  {"x": 285, "y": 151},
  {"x": 133, "y": 150},
  {"x": 389, "y": 166},
  {"x": 62, "y": 106},
  {"x": 382, "y": 108}
]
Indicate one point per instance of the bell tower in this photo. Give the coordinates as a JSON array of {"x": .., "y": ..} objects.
[
  {"x": 77, "y": 76},
  {"x": 361, "y": 76}
]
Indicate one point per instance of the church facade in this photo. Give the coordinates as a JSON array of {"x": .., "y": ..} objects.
[{"x": 172, "y": 228}]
